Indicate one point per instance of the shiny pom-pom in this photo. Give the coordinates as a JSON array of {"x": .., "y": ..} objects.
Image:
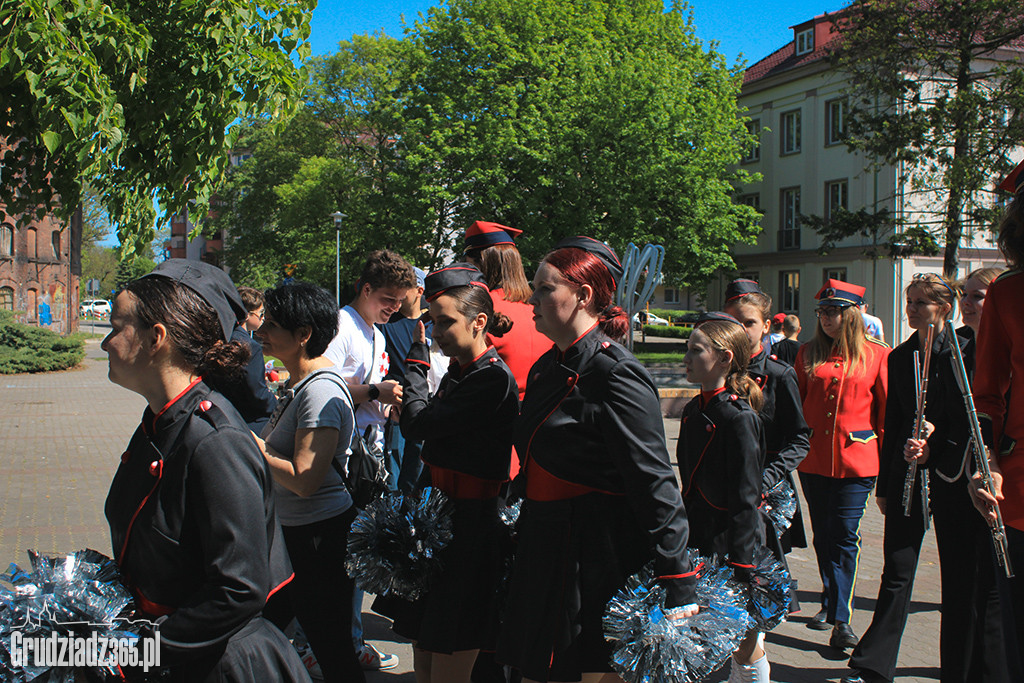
[
  {"x": 394, "y": 545},
  {"x": 780, "y": 506},
  {"x": 768, "y": 590},
  {"x": 650, "y": 648}
]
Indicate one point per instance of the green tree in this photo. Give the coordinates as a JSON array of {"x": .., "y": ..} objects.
[
  {"x": 602, "y": 118},
  {"x": 937, "y": 93},
  {"x": 100, "y": 263},
  {"x": 138, "y": 98}
]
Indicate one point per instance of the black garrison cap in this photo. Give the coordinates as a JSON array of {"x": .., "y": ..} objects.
[
  {"x": 210, "y": 283},
  {"x": 455, "y": 275},
  {"x": 598, "y": 249}
]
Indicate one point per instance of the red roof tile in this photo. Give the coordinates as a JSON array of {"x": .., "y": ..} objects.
[{"x": 785, "y": 58}]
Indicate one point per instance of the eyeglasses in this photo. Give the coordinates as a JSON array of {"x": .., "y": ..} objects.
[{"x": 829, "y": 312}]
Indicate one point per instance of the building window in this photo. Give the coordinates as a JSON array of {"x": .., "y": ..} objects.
[
  {"x": 32, "y": 251},
  {"x": 32, "y": 297},
  {"x": 791, "y": 132},
  {"x": 671, "y": 295},
  {"x": 753, "y": 200},
  {"x": 835, "y": 122},
  {"x": 6, "y": 240},
  {"x": 789, "y": 291},
  {"x": 805, "y": 41},
  {"x": 6, "y": 299},
  {"x": 789, "y": 223},
  {"x": 749, "y": 275},
  {"x": 55, "y": 242},
  {"x": 836, "y": 193},
  {"x": 754, "y": 154},
  {"x": 833, "y": 274}
]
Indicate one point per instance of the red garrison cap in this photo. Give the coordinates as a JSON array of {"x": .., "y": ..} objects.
[
  {"x": 455, "y": 275},
  {"x": 738, "y": 288},
  {"x": 483, "y": 234},
  {"x": 839, "y": 293},
  {"x": 1014, "y": 181},
  {"x": 779, "y": 318}
]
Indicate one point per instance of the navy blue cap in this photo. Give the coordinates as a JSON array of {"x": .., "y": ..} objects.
[
  {"x": 455, "y": 275},
  {"x": 598, "y": 249},
  {"x": 841, "y": 294},
  {"x": 739, "y": 287},
  {"x": 483, "y": 234},
  {"x": 210, "y": 283}
]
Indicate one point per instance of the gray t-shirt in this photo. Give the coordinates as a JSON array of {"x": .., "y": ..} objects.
[{"x": 318, "y": 401}]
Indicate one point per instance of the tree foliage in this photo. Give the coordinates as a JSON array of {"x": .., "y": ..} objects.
[
  {"x": 601, "y": 118},
  {"x": 137, "y": 98},
  {"x": 938, "y": 91}
]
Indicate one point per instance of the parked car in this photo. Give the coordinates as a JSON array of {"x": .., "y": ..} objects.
[
  {"x": 97, "y": 307},
  {"x": 644, "y": 318}
]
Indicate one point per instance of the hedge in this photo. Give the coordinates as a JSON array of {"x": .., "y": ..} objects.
[
  {"x": 26, "y": 348},
  {"x": 668, "y": 331}
]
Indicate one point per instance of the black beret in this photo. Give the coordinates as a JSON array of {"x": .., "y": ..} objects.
[
  {"x": 210, "y": 283},
  {"x": 716, "y": 315},
  {"x": 598, "y": 249},
  {"x": 738, "y": 288},
  {"x": 455, "y": 275}
]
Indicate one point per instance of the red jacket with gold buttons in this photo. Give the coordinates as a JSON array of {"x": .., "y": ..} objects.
[{"x": 846, "y": 413}]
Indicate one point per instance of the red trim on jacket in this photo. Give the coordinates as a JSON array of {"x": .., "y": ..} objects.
[
  {"x": 280, "y": 585},
  {"x": 150, "y": 607},
  {"x": 462, "y": 486},
  {"x": 541, "y": 485}
]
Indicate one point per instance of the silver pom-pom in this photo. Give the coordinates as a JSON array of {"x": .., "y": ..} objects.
[
  {"x": 649, "y": 648},
  {"x": 768, "y": 590},
  {"x": 394, "y": 545},
  {"x": 780, "y": 506}
]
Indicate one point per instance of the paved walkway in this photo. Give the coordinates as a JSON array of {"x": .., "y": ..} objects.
[{"x": 61, "y": 436}]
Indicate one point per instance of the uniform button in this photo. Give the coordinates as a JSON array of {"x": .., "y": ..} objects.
[
  {"x": 733, "y": 397},
  {"x": 205, "y": 405},
  {"x": 827, "y": 432},
  {"x": 708, "y": 427},
  {"x": 828, "y": 415},
  {"x": 155, "y": 467},
  {"x": 836, "y": 365},
  {"x": 835, "y": 380},
  {"x": 831, "y": 397}
]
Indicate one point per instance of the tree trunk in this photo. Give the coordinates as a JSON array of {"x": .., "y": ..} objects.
[{"x": 953, "y": 221}]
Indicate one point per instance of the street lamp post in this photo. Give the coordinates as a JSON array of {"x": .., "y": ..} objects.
[{"x": 337, "y": 216}]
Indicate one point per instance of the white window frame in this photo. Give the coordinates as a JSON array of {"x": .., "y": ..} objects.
[
  {"x": 805, "y": 41},
  {"x": 837, "y": 196},
  {"x": 789, "y": 296},
  {"x": 671, "y": 295},
  {"x": 789, "y": 218},
  {"x": 790, "y": 127},
  {"x": 835, "y": 135},
  {"x": 754, "y": 153}
]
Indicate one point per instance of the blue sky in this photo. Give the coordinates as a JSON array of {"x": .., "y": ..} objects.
[{"x": 753, "y": 29}]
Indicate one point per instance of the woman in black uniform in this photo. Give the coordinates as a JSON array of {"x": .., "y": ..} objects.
[
  {"x": 466, "y": 430},
  {"x": 601, "y": 498},
  {"x": 787, "y": 436},
  {"x": 945, "y": 455},
  {"x": 191, "y": 510}
]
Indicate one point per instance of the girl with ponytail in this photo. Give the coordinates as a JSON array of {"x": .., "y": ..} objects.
[
  {"x": 719, "y": 452},
  {"x": 601, "y": 499}
]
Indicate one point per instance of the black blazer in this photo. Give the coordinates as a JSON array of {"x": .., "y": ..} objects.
[
  {"x": 193, "y": 524},
  {"x": 467, "y": 426},
  {"x": 786, "y": 434},
  {"x": 948, "y": 444},
  {"x": 592, "y": 416},
  {"x": 719, "y": 453}
]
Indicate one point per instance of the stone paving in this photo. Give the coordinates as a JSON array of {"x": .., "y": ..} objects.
[{"x": 61, "y": 436}]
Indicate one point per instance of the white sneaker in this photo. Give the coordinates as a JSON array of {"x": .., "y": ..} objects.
[
  {"x": 372, "y": 659},
  {"x": 309, "y": 659}
]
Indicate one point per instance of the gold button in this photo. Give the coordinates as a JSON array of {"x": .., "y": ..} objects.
[
  {"x": 835, "y": 380},
  {"x": 827, "y": 432},
  {"x": 828, "y": 415},
  {"x": 831, "y": 397},
  {"x": 836, "y": 365}
]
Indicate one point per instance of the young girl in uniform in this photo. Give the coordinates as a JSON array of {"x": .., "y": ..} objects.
[
  {"x": 945, "y": 455},
  {"x": 721, "y": 446},
  {"x": 842, "y": 375},
  {"x": 601, "y": 499},
  {"x": 787, "y": 436},
  {"x": 466, "y": 428}
]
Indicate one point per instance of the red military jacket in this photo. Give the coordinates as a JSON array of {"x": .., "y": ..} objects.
[{"x": 846, "y": 413}]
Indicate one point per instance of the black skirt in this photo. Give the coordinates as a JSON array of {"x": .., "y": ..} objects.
[
  {"x": 572, "y": 557},
  {"x": 258, "y": 652},
  {"x": 460, "y": 609}
]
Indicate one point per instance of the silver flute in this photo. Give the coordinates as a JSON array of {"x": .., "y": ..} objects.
[
  {"x": 921, "y": 370},
  {"x": 981, "y": 456}
]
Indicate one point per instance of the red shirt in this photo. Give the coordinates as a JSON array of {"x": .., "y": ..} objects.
[
  {"x": 999, "y": 368},
  {"x": 846, "y": 413},
  {"x": 521, "y": 346}
]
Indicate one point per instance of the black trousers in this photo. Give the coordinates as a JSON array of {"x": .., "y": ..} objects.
[
  {"x": 1011, "y": 593},
  {"x": 970, "y": 641},
  {"x": 320, "y": 595}
]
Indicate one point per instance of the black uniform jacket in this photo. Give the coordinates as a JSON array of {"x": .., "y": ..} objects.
[
  {"x": 468, "y": 426},
  {"x": 720, "y": 449},
  {"x": 591, "y": 416},
  {"x": 786, "y": 434},
  {"x": 785, "y": 351},
  {"x": 192, "y": 523},
  {"x": 948, "y": 445}
]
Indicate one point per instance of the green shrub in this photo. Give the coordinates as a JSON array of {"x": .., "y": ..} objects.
[
  {"x": 667, "y": 331},
  {"x": 672, "y": 315},
  {"x": 24, "y": 348}
]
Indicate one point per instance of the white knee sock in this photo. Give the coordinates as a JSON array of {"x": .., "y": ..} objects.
[{"x": 758, "y": 672}]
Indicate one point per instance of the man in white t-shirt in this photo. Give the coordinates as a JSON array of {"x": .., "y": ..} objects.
[{"x": 358, "y": 351}]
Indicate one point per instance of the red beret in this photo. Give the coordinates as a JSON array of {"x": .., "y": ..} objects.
[
  {"x": 483, "y": 234},
  {"x": 1014, "y": 181}
]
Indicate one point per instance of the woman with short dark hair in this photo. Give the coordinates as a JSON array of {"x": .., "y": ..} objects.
[
  {"x": 306, "y": 444},
  {"x": 191, "y": 511}
]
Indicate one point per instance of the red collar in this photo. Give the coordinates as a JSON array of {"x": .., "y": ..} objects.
[{"x": 706, "y": 396}]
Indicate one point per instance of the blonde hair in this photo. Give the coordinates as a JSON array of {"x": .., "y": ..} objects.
[
  {"x": 848, "y": 344},
  {"x": 985, "y": 275},
  {"x": 728, "y": 336},
  {"x": 936, "y": 289}
]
